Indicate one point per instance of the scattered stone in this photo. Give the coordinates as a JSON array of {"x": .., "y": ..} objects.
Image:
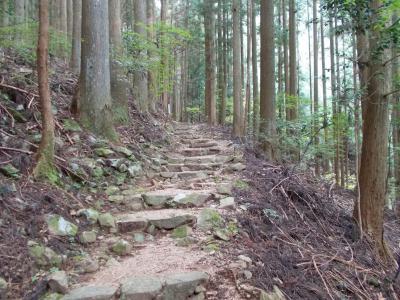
[
  {"x": 139, "y": 237},
  {"x": 58, "y": 282},
  {"x": 151, "y": 229},
  {"x": 102, "y": 292},
  {"x": 10, "y": 171},
  {"x": 107, "y": 220},
  {"x": 43, "y": 256},
  {"x": 238, "y": 167},
  {"x": 87, "y": 237},
  {"x": 103, "y": 152},
  {"x": 123, "y": 150},
  {"x": 129, "y": 223},
  {"x": 91, "y": 215},
  {"x": 3, "y": 289},
  {"x": 122, "y": 248},
  {"x": 141, "y": 288},
  {"x": 199, "y": 296},
  {"x": 224, "y": 189},
  {"x": 7, "y": 189},
  {"x": 246, "y": 259},
  {"x": 186, "y": 242},
  {"x": 246, "y": 274},
  {"x": 209, "y": 218},
  {"x": 276, "y": 294},
  {"x": 71, "y": 125},
  {"x": 182, "y": 286},
  {"x": 220, "y": 234},
  {"x": 112, "y": 190},
  {"x": 85, "y": 264},
  {"x": 182, "y": 231},
  {"x": 167, "y": 174},
  {"x": 52, "y": 296},
  {"x": 135, "y": 169},
  {"x": 271, "y": 213},
  {"x": 227, "y": 203},
  {"x": 57, "y": 225},
  {"x": 116, "y": 199}
]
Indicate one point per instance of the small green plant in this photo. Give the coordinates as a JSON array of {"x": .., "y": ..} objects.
[{"x": 241, "y": 185}]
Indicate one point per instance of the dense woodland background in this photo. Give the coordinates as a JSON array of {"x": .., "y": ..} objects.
[{"x": 312, "y": 83}]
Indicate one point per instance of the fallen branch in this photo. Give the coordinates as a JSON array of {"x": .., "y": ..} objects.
[
  {"x": 8, "y": 113},
  {"x": 17, "y": 89}
]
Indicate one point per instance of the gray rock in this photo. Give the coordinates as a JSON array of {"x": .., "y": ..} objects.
[
  {"x": 182, "y": 231},
  {"x": 85, "y": 264},
  {"x": 123, "y": 150},
  {"x": 122, "y": 248},
  {"x": 130, "y": 223},
  {"x": 227, "y": 203},
  {"x": 209, "y": 218},
  {"x": 182, "y": 286},
  {"x": 87, "y": 237},
  {"x": 224, "y": 189},
  {"x": 192, "y": 199},
  {"x": 238, "y": 167},
  {"x": 116, "y": 199},
  {"x": 156, "y": 199},
  {"x": 90, "y": 214},
  {"x": 52, "y": 296},
  {"x": 135, "y": 169},
  {"x": 276, "y": 294},
  {"x": 43, "y": 256},
  {"x": 57, "y": 225},
  {"x": 220, "y": 234},
  {"x": 103, "y": 152},
  {"x": 172, "y": 222},
  {"x": 141, "y": 288},
  {"x": 139, "y": 237},
  {"x": 58, "y": 282},
  {"x": 111, "y": 190},
  {"x": 245, "y": 258},
  {"x": 102, "y": 292},
  {"x": 10, "y": 171},
  {"x": 167, "y": 174},
  {"x": 3, "y": 288},
  {"x": 107, "y": 220}
]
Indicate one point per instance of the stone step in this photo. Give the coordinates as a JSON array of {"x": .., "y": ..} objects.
[
  {"x": 200, "y": 151},
  {"x": 193, "y": 167},
  {"x": 181, "y": 286},
  {"x": 186, "y": 175},
  {"x": 161, "y": 219},
  {"x": 176, "y": 198},
  {"x": 208, "y": 159},
  {"x": 198, "y": 141},
  {"x": 203, "y": 145},
  {"x": 178, "y": 286}
]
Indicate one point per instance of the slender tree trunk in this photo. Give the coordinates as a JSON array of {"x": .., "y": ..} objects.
[
  {"x": 248, "y": 73},
  {"x": 5, "y": 6},
  {"x": 316, "y": 86},
  {"x": 164, "y": 60},
  {"x": 70, "y": 18},
  {"x": 221, "y": 62},
  {"x": 63, "y": 16},
  {"x": 119, "y": 84},
  {"x": 151, "y": 76},
  {"x": 140, "y": 77},
  {"x": 310, "y": 78},
  {"x": 286, "y": 56},
  {"x": 45, "y": 154},
  {"x": 95, "y": 90},
  {"x": 209, "y": 26},
  {"x": 256, "y": 96},
  {"x": 237, "y": 78},
  {"x": 373, "y": 168},
  {"x": 325, "y": 162},
  {"x": 267, "y": 95},
  {"x": 280, "y": 64},
  {"x": 76, "y": 37},
  {"x": 19, "y": 11}
]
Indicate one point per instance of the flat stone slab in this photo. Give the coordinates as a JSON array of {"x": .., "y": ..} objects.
[
  {"x": 92, "y": 293},
  {"x": 141, "y": 288},
  {"x": 176, "y": 198},
  {"x": 162, "y": 219},
  {"x": 203, "y": 145},
  {"x": 181, "y": 286}
]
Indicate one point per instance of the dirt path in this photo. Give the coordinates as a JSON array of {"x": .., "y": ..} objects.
[{"x": 170, "y": 241}]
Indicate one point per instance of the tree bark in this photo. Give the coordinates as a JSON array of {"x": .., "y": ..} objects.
[
  {"x": 248, "y": 63},
  {"x": 209, "y": 27},
  {"x": 373, "y": 168},
  {"x": 70, "y": 18},
  {"x": 140, "y": 76},
  {"x": 267, "y": 95},
  {"x": 316, "y": 87},
  {"x": 95, "y": 91},
  {"x": 164, "y": 60},
  {"x": 44, "y": 168},
  {"x": 76, "y": 37},
  {"x": 19, "y": 11},
  {"x": 237, "y": 78},
  {"x": 6, "y": 17},
  {"x": 256, "y": 96},
  {"x": 151, "y": 76},
  {"x": 325, "y": 162}
]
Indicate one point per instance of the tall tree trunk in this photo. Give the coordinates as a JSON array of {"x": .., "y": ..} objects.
[
  {"x": 164, "y": 61},
  {"x": 248, "y": 63},
  {"x": 70, "y": 18},
  {"x": 76, "y": 37},
  {"x": 95, "y": 90},
  {"x": 209, "y": 27},
  {"x": 5, "y": 6},
  {"x": 151, "y": 76},
  {"x": 338, "y": 109},
  {"x": 19, "y": 11},
  {"x": 316, "y": 86},
  {"x": 140, "y": 77},
  {"x": 45, "y": 154},
  {"x": 267, "y": 95},
  {"x": 310, "y": 78},
  {"x": 237, "y": 78},
  {"x": 373, "y": 168},
  {"x": 63, "y": 16},
  {"x": 325, "y": 162},
  {"x": 221, "y": 63},
  {"x": 256, "y": 96}
]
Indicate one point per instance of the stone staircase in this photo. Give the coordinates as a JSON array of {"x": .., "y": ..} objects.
[{"x": 177, "y": 222}]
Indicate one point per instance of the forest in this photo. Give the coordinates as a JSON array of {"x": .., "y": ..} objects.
[{"x": 199, "y": 149}]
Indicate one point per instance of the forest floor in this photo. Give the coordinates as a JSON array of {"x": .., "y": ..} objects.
[{"x": 174, "y": 209}]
